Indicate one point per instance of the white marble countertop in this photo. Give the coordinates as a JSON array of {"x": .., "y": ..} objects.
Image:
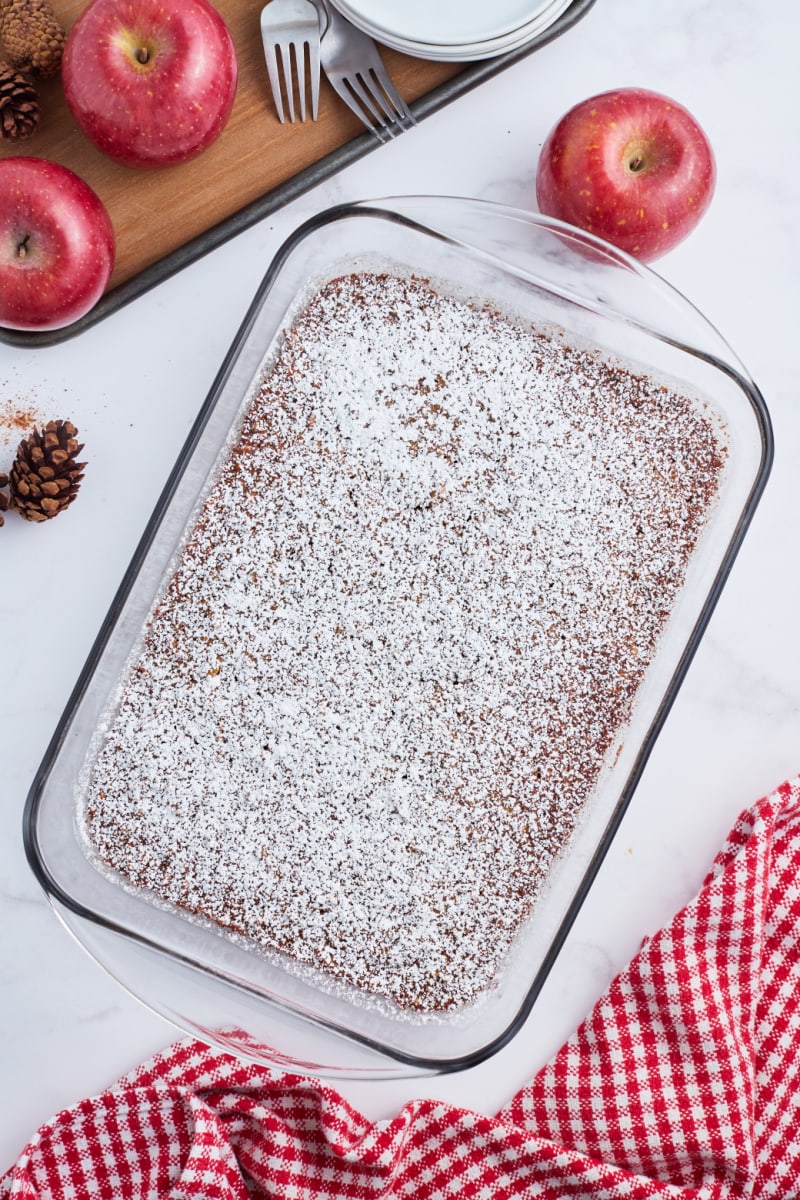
[{"x": 133, "y": 385}]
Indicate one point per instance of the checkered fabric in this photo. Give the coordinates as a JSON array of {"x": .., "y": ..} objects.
[{"x": 683, "y": 1082}]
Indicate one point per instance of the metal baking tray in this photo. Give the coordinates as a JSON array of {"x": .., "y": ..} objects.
[{"x": 65, "y": 146}]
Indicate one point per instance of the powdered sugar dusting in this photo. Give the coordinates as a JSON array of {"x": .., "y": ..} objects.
[{"x": 378, "y": 690}]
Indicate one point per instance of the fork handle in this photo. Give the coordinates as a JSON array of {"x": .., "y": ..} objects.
[{"x": 324, "y": 12}]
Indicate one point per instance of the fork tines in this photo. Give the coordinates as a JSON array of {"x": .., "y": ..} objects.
[
  {"x": 290, "y": 32},
  {"x": 289, "y": 68},
  {"x": 374, "y": 98}
]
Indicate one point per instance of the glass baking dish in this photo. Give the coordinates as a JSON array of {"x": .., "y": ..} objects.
[{"x": 219, "y": 987}]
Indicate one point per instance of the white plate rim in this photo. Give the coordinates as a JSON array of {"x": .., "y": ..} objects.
[
  {"x": 360, "y": 14},
  {"x": 465, "y": 51}
]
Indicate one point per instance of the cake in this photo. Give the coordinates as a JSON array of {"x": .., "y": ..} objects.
[{"x": 401, "y": 639}]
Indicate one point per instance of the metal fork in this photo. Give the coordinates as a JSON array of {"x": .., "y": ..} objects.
[
  {"x": 290, "y": 31},
  {"x": 354, "y": 68}
]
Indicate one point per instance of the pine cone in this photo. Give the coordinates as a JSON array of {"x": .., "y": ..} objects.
[
  {"x": 19, "y": 105},
  {"x": 3, "y": 496},
  {"x": 45, "y": 476},
  {"x": 33, "y": 36}
]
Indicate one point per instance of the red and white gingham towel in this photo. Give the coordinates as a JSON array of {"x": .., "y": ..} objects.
[{"x": 683, "y": 1082}]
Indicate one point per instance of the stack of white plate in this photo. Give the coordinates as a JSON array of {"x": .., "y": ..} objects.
[{"x": 453, "y": 30}]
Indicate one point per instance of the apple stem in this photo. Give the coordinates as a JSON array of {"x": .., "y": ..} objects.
[
  {"x": 636, "y": 161},
  {"x": 22, "y": 248},
  {"x": 143, "y": 55}
]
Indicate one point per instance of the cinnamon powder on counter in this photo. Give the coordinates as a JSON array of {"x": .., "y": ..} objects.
[{"x": 18, "y": 417}]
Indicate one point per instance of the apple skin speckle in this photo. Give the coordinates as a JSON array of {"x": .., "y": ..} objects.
[
  {"x": 150, "y": 85},
  {"x": 57, "y": 245},
  {"x": 630, "y": 166}
]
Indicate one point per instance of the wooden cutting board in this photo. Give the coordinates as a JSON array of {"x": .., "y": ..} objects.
[{"x": 156, "y": 212}]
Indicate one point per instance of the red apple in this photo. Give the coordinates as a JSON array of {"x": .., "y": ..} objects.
[
  {"x": 632, "y": 167},
  {"x": 56, "y": 245},
  {"x": 150, "y": 82}
]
